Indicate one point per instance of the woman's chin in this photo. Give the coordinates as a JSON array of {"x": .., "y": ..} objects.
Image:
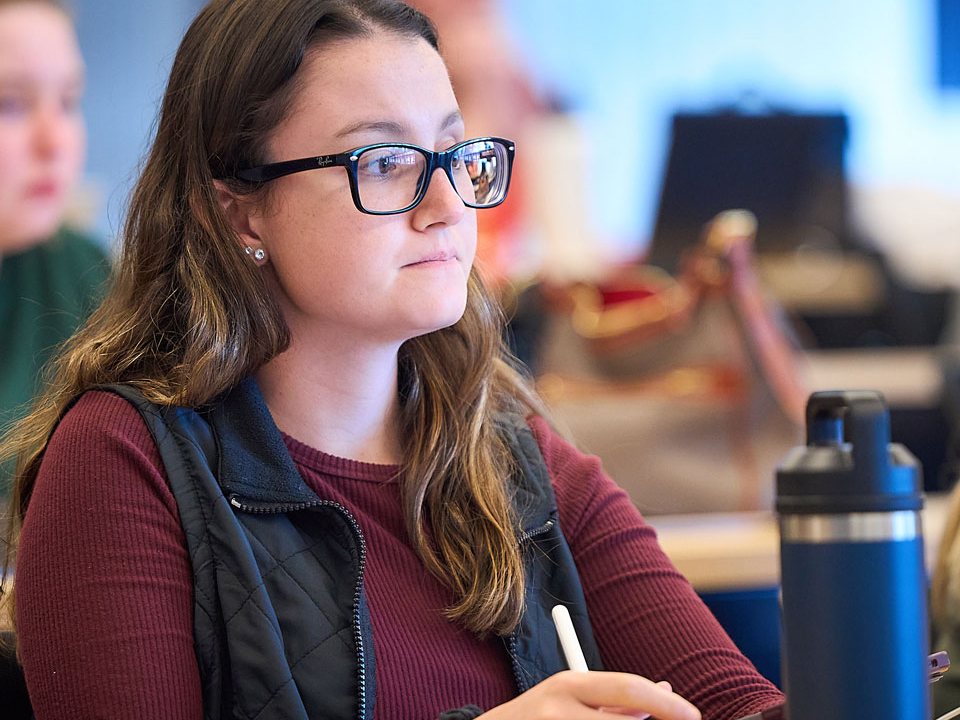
[
  {"x": 436, "y": 318},
  {"x": 24, "y": 236}
]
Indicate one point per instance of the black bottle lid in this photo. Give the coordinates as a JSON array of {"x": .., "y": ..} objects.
[{"x": 848, "y": 464}]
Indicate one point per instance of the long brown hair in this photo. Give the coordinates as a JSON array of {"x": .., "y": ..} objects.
[{"x": 187, "y": 317}]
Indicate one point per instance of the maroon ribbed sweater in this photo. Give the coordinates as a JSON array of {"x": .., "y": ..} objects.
[{"x": 105, "y": 595}]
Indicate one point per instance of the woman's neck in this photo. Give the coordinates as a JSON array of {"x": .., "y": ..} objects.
[{"x": 340, "y": 400}]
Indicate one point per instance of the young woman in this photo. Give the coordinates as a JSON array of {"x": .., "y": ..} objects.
[
  {"x": 287, "y": 469},
  {"x": 49, "y": 276}
]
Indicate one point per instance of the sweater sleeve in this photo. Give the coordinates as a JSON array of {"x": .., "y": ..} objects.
[
  {"x": 646, "y": 617},
  {"x": 104, "y": 591}
]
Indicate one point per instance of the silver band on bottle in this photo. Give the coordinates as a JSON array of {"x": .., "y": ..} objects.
[{"x": 850, "y": 527}]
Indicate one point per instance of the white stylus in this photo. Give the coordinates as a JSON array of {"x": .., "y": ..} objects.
[{"x": 568, "y": 639}]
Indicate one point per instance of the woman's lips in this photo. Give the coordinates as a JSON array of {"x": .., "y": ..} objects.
[
  {"x": 437, "y": 258},
  {"x": 43, "y": 190}
]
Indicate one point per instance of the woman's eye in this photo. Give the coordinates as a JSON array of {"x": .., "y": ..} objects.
[
  {"x": 389, "y": 164},
  {"x": 13, "y": 105},
  {"x": 70, "y": 103},
  {"x": 379, "y": 166}
]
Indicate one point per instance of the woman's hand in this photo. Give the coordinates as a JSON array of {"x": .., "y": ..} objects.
[{"x": 595, "y": 696}]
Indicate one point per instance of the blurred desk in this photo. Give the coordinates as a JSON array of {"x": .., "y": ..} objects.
[
  {"x": 741, "y": 551},
  {"x": 722, "y": 551}
]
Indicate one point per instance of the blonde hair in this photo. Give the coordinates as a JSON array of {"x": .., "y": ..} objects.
[
  {"x": 187, "y": 317},
  {"x": 945, "y": 584}
]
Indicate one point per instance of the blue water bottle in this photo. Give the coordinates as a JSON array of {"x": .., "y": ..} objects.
[{"x": 853, "y": 578}]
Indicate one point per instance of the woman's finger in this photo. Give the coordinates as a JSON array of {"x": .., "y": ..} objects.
[
  {"x": 640, "y": 715},
  {"x": 628, "y": 694}
]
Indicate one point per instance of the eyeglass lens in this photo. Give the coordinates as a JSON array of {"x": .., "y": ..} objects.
[{"x": 391, "y": 178}]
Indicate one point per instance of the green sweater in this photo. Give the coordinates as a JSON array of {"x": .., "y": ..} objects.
[{"x": 45, "y": 293}]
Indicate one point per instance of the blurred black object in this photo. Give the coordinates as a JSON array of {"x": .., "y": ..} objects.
[
  {"x": 785, "y": 168},
  {"x": 788, "y": 169},
  {"x": 526, "y": 315},
  {"x": 950, "y": 470},
  {"x": 926, "y": 431},
  {"x": 903, "y": 316},
  {"x": 13, "y": 687}
]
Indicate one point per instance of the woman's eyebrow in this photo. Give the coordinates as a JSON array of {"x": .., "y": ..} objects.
[
  {"x": 391, "y": 127},
  {"x": 453, "y": 118},
  {"x": 384, "y": 126},
  {"x": 18, "y": 79}
]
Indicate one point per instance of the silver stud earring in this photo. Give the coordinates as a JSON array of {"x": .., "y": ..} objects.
[{"x": 258, "y": 254}]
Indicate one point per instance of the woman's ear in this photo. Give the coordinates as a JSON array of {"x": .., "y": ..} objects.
[{"x": 238, "y": 213}]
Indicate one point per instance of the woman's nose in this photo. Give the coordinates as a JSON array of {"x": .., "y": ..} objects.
[
  {"x": 52, "y": 130},
  {"x": 441, "y": 204}
]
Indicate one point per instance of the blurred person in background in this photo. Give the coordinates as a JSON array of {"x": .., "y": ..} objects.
[{"x": 49, "y": 275}]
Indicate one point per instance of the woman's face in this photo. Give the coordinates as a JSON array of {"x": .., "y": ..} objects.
[
  {"x": 42, "y": 136},
  {"x": 341, "y": 274}
]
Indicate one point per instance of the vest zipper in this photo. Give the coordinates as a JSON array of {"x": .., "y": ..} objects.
[
  {"x": 521, "y": 682},
  {"x": 276, "y": 508},
  {"x": 537, "y": 531}
]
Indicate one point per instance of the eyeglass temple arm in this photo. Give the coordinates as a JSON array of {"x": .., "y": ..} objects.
[{"x": 272, "y": 171}]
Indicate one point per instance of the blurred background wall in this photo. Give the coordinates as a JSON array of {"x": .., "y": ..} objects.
[{"x": 128, "y": 48}]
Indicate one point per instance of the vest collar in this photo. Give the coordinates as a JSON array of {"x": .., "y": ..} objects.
[{"x": 254, "y": 462}]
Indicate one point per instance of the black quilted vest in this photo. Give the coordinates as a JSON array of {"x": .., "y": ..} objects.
[{"x": 281, "y": 628}]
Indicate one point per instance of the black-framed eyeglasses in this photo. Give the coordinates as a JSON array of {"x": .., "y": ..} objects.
[{"x": 391, "y": 178}]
